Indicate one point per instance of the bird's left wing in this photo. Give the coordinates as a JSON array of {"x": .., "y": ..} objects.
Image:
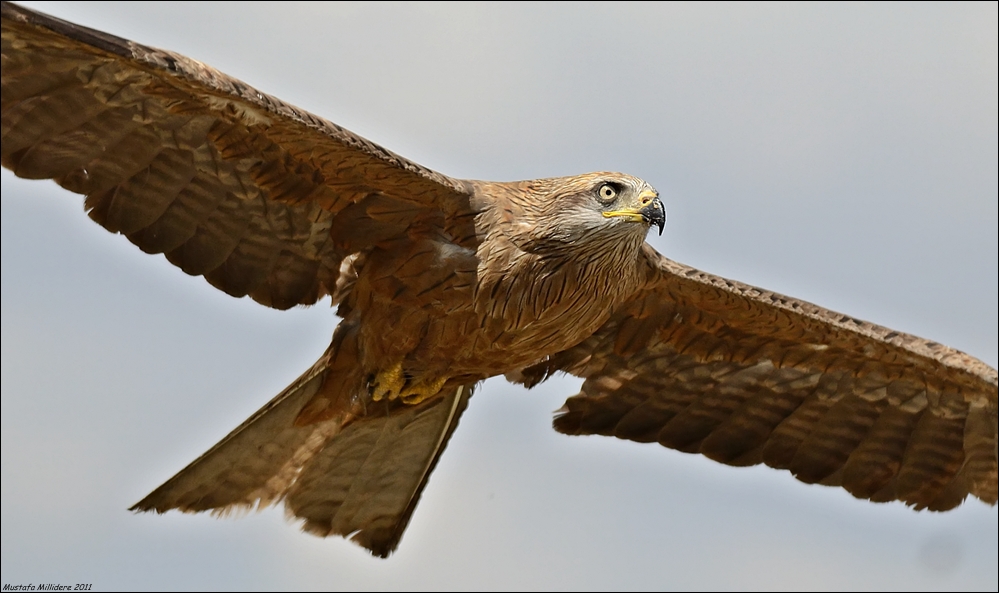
[
  {"x": 259, "y": 197},
  {"x": 745, "y": 376}
]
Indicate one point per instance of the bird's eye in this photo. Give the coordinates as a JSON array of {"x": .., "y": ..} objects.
[{"x": 607, "y": 192}]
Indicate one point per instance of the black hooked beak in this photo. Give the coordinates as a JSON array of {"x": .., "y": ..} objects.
[{"x": 654, "y": 213}]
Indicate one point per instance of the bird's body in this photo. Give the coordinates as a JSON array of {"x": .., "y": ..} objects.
[
  {"x": 442, "y": 283},
  {"x": 473, "y": 320}
]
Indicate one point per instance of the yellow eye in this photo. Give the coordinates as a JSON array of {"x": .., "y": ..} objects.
[{"x": 607, "y": 192}]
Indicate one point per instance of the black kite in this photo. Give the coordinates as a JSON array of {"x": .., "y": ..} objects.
[{"x": 442, "y": 283}]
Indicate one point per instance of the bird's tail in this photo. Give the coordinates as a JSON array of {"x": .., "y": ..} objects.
[{"x": 349, "y": 472}]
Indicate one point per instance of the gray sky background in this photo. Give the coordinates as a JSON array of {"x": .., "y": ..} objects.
[{"x": 843, "y": 154}]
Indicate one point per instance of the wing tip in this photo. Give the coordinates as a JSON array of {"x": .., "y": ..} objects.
[{"x": 98, "y": 39}]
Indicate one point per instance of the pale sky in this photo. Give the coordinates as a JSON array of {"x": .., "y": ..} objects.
[{"x": 843, "y": 154}]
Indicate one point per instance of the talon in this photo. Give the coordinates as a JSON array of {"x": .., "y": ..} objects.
[
  {"x": 388, "y": 383},
  {"x": 391, "y": 384},
  {"x": 423, "y": 391}
]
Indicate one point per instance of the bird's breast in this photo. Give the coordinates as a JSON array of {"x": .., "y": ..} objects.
[
  {"x": 480, "y": 313},
  {"x": 536, "y": 306}
]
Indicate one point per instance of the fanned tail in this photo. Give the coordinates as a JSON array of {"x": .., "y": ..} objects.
[
  {"x": 344, "y": 473},
  {"x": 255, "y": 464},
  {"x": 368, "y": 479}
]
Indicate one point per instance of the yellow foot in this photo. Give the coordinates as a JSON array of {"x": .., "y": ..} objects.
[
  {"x": 391, "y": 384},
  {"x": 421, "y": 391},
  {"x": 388, "y": 383}
]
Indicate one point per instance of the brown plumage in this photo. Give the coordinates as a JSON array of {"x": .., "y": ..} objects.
[{"x": 443, "y": 282}]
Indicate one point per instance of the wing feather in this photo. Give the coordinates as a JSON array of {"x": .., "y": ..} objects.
[
  {"x": 744, "y": 376},
  {"x": 227, "y": 181}
]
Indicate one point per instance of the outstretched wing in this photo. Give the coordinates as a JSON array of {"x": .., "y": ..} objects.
[
  {"x": 261, "y": 198},
  {"x": 745, "y": 376}
]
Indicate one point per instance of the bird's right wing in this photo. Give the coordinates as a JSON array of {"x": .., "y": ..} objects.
[
  {"x": 259, "y": 197},
  {"x": 744, "y": 376}
]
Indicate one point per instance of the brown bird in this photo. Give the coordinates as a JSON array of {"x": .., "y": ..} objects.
[{"x": 442, "y": 283}]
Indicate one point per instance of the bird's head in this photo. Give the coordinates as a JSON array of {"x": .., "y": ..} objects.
[
  {"x": 596, "y": 207},
  {"x": 629, "y": 199}
]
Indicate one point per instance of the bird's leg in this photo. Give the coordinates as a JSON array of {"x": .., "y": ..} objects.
[
  {"x": 391, "y": 384},
  {"x": 421, "y": 391},
  {"x": 388, "y": 383}
]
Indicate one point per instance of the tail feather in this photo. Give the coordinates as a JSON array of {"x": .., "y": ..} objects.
[
  {"x": 255, "y": 463},
  {"x": 368, "y": 479},
  {"x": 356, "y": 475}
]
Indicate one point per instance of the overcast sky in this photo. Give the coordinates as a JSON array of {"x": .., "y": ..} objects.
[{"x": 843, "y": 154}]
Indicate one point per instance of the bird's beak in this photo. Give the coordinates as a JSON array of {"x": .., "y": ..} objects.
[
  {"x": 650, "y": 210},
  {"x": 654, "y": 212}
]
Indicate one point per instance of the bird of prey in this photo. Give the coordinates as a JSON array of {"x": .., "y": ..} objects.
[{"x": 442, "y": 283}]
